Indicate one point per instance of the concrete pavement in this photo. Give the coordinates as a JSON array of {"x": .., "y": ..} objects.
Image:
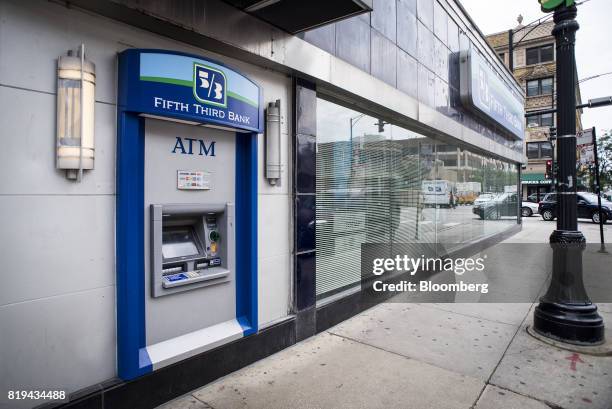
[{"x": 402, "y": 355}]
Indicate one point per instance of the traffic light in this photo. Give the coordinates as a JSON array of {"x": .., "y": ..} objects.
[
  {"x": 549, "y": 170},
  {"x": 381, "y": 125},
  {"x": 552, "y": 133}
]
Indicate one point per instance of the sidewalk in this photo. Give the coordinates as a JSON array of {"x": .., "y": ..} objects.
[{"x": 421, "y": 356}]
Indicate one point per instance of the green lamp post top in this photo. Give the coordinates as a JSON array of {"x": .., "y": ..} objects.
[{"x": 550, "y": 5}]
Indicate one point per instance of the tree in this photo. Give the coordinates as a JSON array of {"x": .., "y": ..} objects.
[{"x": 604, "y": 154}]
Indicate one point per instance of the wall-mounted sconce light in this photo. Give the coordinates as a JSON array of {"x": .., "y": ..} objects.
[
  {"x": 76, "y": 84},
  {"x": 273, "y": 142}
]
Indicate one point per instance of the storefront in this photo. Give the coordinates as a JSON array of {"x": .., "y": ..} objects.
[
  {"x": 202, "y": 203},
  {"x": 535, "y": 186}
]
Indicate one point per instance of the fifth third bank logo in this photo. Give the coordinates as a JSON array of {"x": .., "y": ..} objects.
[{"x": 209, "y": 85}]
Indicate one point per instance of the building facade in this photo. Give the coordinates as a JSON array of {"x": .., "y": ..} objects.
[
  {"x": 187, "y": 190},
  {"x": 535, "y": 69}
]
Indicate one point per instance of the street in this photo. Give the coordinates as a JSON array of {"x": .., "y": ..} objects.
[
  {"x": 426, "y": 355},
  {"x": 537, "y": 230}
]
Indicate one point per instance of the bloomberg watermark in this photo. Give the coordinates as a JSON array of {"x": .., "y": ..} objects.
[
  {"x": 452, "y": 273},
  {"x": 411, "y": 265}
]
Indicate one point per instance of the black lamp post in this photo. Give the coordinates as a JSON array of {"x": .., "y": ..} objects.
[{"x": 566, "y": 313}]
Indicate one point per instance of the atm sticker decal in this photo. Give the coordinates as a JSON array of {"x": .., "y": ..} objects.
[{"x": 192, "y": 180}]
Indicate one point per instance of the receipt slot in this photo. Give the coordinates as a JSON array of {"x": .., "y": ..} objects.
[
  {"x": 192, "y": 246},
  {"x": 186, "y": 208}
]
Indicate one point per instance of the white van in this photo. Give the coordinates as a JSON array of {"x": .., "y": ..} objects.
[{"x": 436, "y": 192}]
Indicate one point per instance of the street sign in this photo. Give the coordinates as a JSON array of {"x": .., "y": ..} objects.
[
  {"x": 550, "y": 5},
  {"x": 584, "y": 137},
  {"x": 586, "y": 154},
  {"x": 584, "y": 147}
]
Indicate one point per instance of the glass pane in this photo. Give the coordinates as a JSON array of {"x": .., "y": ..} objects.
[
  {"x": 532, "y": 88},
  {"x": 178, "y": 243},
  {"x": 547, "y": 85},
  {"x": 533, "y": 120},
  {"x": 396, "y": 186},
  {"x": 68, "y": 113},
  {"x": 352, "y": 188},
  {"x": 428, "y": 173},
  {"x": 532, "y": 151},
  {"x": 546, "y": 53},
  {"x": 547, "y": 120},
  {"x": 445, "y": 185},
  {"x": 411, "y": 221},
  {"x": 532, "y": 56},
  {"x": 546, "y": 150}
]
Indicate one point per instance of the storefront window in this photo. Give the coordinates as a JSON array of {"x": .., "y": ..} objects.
[{"x": 387, "y": 184}]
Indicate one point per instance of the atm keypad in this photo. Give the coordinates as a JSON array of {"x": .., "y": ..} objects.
[{"x": 189, "y": 277}]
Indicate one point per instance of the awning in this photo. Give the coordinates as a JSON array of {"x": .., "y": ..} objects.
[
  {"x": 535, "y": 179},
  {"x": 295, "y": 16}
]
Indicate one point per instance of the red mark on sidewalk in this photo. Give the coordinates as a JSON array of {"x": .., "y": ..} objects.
[{"x": 574, "y": 358}]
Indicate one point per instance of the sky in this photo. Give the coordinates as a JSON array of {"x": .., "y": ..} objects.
[{"x": 593, "y": 44}]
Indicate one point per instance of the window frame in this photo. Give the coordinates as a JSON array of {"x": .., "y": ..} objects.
[
  {"x": 539, "y": 88},
  {"x": 552, "y": 119},
  {"x": 538, "y": 145},
  {"x": 537, "y": 150},
  {"x": 552, "y": 150},
  {"x": 538, "y": 49},
  {"x": 539, "y": 122}
]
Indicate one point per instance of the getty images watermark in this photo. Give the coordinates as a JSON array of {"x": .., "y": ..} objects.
[
  {"x": 460, "y": 273},
  {"x": 404, "y": 264}
]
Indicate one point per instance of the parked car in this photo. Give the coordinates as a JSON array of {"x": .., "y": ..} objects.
[
  {"x": 528, "y": 209},
  {"x": 484, "y": 197},
  {"x": 504, "y": 204},
  {"x": 586, "y": 207},
  {"x": 533, "y": 198},
  {"x": 548, "y": 197}
]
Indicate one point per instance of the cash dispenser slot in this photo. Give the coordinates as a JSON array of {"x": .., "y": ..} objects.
[{"x": 189, "y": 246}]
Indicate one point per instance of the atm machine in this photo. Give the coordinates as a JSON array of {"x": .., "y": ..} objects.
[
  {"x": 189, "y": 232},
  {"x": 186, "y": 207},
  {"x": 186, "y": 246}
]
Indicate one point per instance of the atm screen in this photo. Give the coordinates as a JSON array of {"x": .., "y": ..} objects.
[{"x": 179, "y": 243}]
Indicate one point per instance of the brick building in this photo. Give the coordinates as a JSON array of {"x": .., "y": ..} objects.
[{"x": 535, "y": 69}]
